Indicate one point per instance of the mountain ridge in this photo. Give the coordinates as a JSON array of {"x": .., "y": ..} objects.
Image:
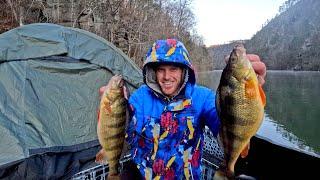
[{"x": 290, "y": 41}]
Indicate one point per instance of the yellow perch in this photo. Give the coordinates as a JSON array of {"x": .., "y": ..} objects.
[
  {"x": 111, "y": 125},
  {"x": 240, "y": 105}
]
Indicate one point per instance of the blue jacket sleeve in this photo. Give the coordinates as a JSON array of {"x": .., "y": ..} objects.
[
  {"x": 135, "y": 120},
  {"x": 210, "y": 114}
]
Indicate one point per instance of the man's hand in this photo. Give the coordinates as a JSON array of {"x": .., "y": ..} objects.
[{"x": 258, "y": 66}]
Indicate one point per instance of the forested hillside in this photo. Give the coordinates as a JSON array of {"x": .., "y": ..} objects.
[
  {"x": 132, "y": 25},
  {"x": 220, "y": 52},
  {"x": 290, "y": 41}
]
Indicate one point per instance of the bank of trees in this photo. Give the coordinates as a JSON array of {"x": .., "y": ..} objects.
[
  {"x": 132, "y": 25},
  {"x": 286, "y": 5}
]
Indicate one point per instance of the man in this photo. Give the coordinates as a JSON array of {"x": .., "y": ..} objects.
[{"x": 168, "y": 114}]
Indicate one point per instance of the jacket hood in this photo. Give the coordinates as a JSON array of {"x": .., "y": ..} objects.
[{"x": 169, "y": 51}]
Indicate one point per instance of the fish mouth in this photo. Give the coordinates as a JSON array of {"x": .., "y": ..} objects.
[
  {"x": 118, "y": 81},
  {"x": 121, "y": 83},
  {"x": 238, "y": 58},
  {"x": 240, "y": 50}
]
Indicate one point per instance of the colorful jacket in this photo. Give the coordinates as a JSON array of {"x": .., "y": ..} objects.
[{"x": 166, "y": 134}]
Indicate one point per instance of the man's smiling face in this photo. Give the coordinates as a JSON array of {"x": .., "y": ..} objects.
[{"x": 169, "y": 78}]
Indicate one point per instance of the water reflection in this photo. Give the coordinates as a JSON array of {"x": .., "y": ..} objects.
[
  {"x": 278, "y": 134},
  {"x": 293, "y": 107}
]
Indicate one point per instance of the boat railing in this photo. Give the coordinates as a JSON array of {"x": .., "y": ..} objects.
[{"x": 212, "y": 157}]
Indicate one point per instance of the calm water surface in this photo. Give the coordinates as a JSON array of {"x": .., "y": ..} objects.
[{"x": 293, "y": 108}]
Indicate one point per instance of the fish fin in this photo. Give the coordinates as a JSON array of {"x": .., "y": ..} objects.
[
  {"x": 218, "y": 175},
  {"x": 262, "y": 95},
  {"x": 245, "y": 151},
  {"x": 98, "y": 115},
  {"x": 250, "y": 89},
  {"x": 114, "y": 177},
  {"x": 107, "y": 106},
  {"x": 101, "y": 157},
  {"x": 222, "y": 175}
]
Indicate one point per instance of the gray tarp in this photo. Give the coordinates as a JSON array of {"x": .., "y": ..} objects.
[{"x": 49, "y": 81}]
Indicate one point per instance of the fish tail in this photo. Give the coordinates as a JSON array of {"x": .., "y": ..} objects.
[
  {"x": 113, "y": 177},
  {"x": 114, "y": 168},
  {"x": 223, "y": 175}
]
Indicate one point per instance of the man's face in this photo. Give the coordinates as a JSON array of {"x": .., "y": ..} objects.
[{"x": 169, "y": 78}]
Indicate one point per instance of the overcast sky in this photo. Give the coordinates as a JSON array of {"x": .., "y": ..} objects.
[{"x": 220, "y": 21}]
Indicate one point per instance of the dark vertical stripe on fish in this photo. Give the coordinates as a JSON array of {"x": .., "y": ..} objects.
[
  {"x": 118, "y": 115},
  {"x": 115, "y": 157},
  {"x": 235, "y": 137},
  {"x": 116, "y": 125},
  {"x": 230, "y": 100},
  {"x": 114, "y": 147},
  {"x": 115, "y": 136},
  {"x": 240, "y": 121}
]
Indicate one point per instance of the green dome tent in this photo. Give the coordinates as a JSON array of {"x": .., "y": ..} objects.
[{"x": 49, "y": 81}]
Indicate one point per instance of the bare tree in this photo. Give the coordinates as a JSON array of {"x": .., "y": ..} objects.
[{"x": 131, "y": 25}]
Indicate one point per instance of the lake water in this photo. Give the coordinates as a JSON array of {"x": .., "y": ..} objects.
[{"x": 292, "y": 113}]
